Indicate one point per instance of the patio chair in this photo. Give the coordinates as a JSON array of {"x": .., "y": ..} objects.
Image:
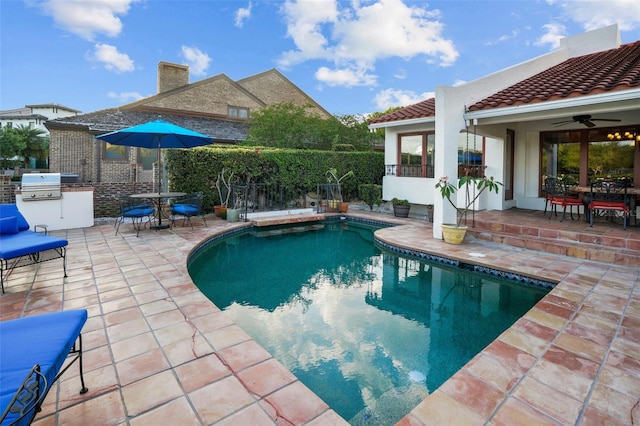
[
  {"x": 135, "y": 211},
  {"x": 188, "y": 207},
  {"x": 608, "y": 198},
  {"x": 558, "y": 194}
]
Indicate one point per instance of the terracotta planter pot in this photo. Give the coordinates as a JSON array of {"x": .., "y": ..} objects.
[
  {"x": 344, "y": 207},
  {"x": 453, "y": 234}
]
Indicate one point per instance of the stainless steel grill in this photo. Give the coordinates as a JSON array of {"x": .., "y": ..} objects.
[{"x": 41, "y": 186}]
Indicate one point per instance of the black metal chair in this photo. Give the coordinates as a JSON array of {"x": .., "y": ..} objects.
[
  {"x": 188, "y": 207},
  {"x": 136, "y": 211},
  {"x": 609, "y": 198},
  {"x": 558, "y": 194}
]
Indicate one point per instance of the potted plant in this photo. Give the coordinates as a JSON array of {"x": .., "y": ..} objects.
[
  {"x": 400, "y": 207},
  {"x": 223, "y": 185},
  {"x": 336, "y": 202},
  {"x": 455, "y": 233}
]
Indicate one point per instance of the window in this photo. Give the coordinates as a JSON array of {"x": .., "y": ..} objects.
[
  {"x": 147, "y": 157},
  {"x": 114, "y": 152},
  {"x": 238, "y": 112},
  {"x": 583, "y": 155},
  {"x": 415, "y": 154}
]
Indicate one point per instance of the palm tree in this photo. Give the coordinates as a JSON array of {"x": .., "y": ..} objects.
[{"x": 35, "y": 143}]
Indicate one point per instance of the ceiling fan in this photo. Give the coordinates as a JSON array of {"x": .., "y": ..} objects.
[{"x": 584, "y": 119}]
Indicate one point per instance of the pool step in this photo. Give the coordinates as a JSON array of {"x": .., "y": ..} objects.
[
  {"x": 286, "y": 219},
  {"x": 616, "y": 247}
]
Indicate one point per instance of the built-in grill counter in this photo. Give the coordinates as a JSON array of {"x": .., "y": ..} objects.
[{"x": 44, "y": 199}]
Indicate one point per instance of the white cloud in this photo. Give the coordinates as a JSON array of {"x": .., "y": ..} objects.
[
  {"x": 111, "y": 59},
  {"x": 243, "y": 14},
  {"x": 87, "y": 18},
  {"x": 345, "y": 77},
  {"x": 355, "y": 36},
  {"x": 400, "y": 74},
  {"x": 197, "y": 60},
  {"x": 553, "y": 34},
  {"x": 392, "y": 98},
  {"x": 125, "y": 97},
  {"x": 599, "y": 13}
]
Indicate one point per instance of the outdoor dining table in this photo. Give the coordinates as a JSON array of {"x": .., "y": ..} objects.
[
  {"x": 158, "y": 198},
  {"x": 633, "y": 195}
]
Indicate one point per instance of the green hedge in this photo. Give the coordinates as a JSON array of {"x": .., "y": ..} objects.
[{"x": 197, "y": 169}]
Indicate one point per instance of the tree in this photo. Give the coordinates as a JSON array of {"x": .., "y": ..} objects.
[
  {"x": 23, "y": 141},
  {"x": 10, "y": 147},
  {"x": 287, "y": 125}
]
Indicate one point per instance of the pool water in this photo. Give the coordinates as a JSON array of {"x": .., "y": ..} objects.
[{"x": 370, "y": 332}]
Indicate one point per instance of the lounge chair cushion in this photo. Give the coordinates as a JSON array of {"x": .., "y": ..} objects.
[
  {"x": 8, "y": 210},
  {"x": 9, "y": 225},
  {"x": 41, "y": 339},
  {"x": 28, "y": 242}
]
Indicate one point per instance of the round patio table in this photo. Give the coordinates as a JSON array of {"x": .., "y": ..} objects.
[{"x": 159, "y": 198}]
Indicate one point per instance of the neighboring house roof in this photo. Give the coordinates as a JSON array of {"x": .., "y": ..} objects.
[
  {"x": 595, "y": 73},
  {"x": 426, "y": 108},
  {"x": 109, "y": 120},
  {"x": 53, "y": 105},
  {"x": 610, "y": 70}
]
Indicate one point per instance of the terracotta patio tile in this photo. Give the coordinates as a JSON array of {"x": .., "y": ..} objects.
[
  {"x": 159, "y": 306},
  {"x": 166, "y": 319},
  {"x": 123, "y": 331},
  {"x": 266, "y": 377},
  {"x": 615, "y": 404},
  {"x": 251, "y": 415},
  {"x": 472, "y": 392},
  {"x": 523, "y": 341},
  {"x": 589, "y": 333},
  {"x": 548, "y": 320},
  {"x": 535, "y": 329},
  {"x": 176, "y": 412},
  {"x": 175, "y": 332},
  {"x": 571, "y": 361},
  {"x": 243, "y": 355},
  {"x": 212, "y": 321},
  {"x": 552, "y": 308},
  {"x": 583, "y": 347},
  {"x": 219, "y": 399},
  {"x": 106, "y": 410},
  {"x": 517, "y": 413},
  {"x": 441, "y": 409},
  {"x": 626, "y": 347},
  {"x": 559, "y": 377},
  {"x": 200, "y": 372},
  {"x": 141, "y": 366},
  {"x": 328, "y": 418},
  {"x": 150, "y": 392},
  {"x": 626, "y": 363},
  {"x": 296, "y": 403},
  {"x": 499, "y": 374},
  {"x": 593, "y": 417},
  {"x": 186, "y": 350},
  {"x": 123, "y": 316},
  {"x": 620, "y": 380},
  {"x": 133, "y": 346},
  {"x": 548, "y": 400}
]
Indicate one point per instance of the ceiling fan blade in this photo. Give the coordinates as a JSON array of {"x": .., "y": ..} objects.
[
  {"x": 562, "y": 122},
  {"x": 605, "y": 119},
  {"x": 588, "y": 123}
]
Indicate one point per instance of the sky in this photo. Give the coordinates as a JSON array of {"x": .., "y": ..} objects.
[{"x": 352, "y": 57}]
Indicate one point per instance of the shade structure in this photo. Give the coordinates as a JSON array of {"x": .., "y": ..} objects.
[{"x": 156, "y": 134}]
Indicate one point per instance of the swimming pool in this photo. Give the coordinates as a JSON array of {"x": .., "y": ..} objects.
[{"x": 369, "y": 331}]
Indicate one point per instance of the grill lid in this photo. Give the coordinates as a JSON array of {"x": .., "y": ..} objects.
[{"x": 41, "y": 186}]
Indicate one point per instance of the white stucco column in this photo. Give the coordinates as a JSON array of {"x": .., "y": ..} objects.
[{"x": 449, "y": 121}]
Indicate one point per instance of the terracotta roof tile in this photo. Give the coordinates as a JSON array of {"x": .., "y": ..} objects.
[
  {"x": 426, "y": 108},
  {"x": 610, "y": 70}
]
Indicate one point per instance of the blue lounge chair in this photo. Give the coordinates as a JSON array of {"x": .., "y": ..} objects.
[
  {"x": 34, "y": 350},
  {"x": 21, "y": 247}
]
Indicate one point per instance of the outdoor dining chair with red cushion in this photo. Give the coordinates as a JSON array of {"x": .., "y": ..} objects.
[
  {"x": 558, "y": 194},
  {"x": 608, "y": 198}
]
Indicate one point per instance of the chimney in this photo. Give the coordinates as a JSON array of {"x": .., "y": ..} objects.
[{"x": 171, "y": 76}]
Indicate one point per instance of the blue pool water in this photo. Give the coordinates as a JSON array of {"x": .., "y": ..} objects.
[{"x": 372, "y": 333}]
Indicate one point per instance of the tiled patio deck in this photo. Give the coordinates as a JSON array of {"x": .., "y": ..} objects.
[{"x": 158, "y": 352}]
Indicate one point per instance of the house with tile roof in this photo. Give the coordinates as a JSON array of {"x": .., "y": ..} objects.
[
  {"x": 216, "y": 106},
  {"x": 572, "y": 112}
]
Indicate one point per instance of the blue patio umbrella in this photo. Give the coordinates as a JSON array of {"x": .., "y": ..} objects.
[{"x": 156, "y": 134}]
